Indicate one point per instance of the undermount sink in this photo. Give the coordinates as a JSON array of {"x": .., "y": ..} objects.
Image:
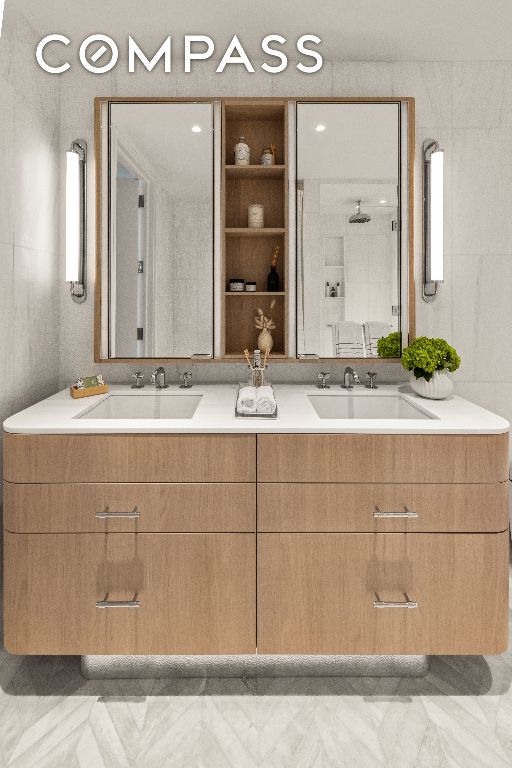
[
  {"x": 142, "y": 406},
  {"x": 348, "y": 405}
]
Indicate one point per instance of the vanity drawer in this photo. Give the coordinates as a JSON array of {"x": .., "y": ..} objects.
[
  {"x": 383, "y": 458},
  {"x": 316, "y": 593},
  {"x": 129, "y": 458},
  {"x": 196, "y": 592},
  {"x": 129, "y": 507},
  {"x": 327, "y": 507}
]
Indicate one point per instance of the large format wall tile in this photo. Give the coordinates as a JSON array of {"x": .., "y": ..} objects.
[
  {"x": 35, "y": 324},
  {"x": 293, "y": 82},
  {"x": 482, "y": 316},
  {"x": 362, "y": 78},
  {"x": 431, "y": 85},
  {"x": 36, "y": 179},
  {"x": 482, "y": 94},
  {"x": 482, "y": 191},
  {"x": 6, "y": 160}
]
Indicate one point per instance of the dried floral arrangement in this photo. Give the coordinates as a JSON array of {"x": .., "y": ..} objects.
[{"x": 263, "y": 323}]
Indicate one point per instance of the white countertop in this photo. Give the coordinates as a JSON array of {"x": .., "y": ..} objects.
[{"x": 60, "y": 414}]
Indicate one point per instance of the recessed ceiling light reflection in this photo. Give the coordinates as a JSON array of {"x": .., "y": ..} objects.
[
  {"x": 320, "y": 127},
  {"x": 196, "y": 129},
  {"x": 382, "y": 202}
]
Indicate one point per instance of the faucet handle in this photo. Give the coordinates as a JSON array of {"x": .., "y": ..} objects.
[
  {"x": 138, "y": 376},
  {"x": 153, "y": 377},
  {"x": 323, "y": 376},
  {"x": 371, "y": 376},
  {"x": 186, "y": 376}
]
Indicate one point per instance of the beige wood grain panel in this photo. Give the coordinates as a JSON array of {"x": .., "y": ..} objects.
[
  {"x": 163, "y": 507},
  {"x": 446, "y": 507},
  {"x": 196, "y": 592},
  {"x": 129, "y": 458},
  {"x": 316, "y": 593},
  {"x": 368, "y": 458}
]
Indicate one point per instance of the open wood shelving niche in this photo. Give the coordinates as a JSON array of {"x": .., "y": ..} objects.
[{"x": 247, "y": 253}]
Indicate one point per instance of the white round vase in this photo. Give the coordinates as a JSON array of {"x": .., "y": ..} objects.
[{"x": 439, "y": 387}]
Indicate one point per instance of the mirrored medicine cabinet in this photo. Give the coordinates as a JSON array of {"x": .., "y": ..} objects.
[{"x": 187, "y": 233}]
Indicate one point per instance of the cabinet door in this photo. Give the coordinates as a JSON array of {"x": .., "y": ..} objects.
[
  {"x": 196, "y": 593},
  {"x": 317, "y": 593}
]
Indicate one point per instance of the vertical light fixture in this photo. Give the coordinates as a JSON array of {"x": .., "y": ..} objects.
[
  {"x": 76, "y": 159},
  {"x": 433, "y": 218}
]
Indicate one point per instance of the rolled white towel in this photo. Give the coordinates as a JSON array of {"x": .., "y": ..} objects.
[
  {"x": 265, "y": 400},
  {"x": 247, "y": 398}
]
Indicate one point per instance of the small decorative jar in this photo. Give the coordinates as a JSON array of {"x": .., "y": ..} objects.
[
  {"x": 236, "y": 285},
  {"x": 439, "y": 387},
  {"x": 242, "y": 152},
  {"x": 250, "y": 285},
  {"x": 267, "y": 157},
  {"x": 255, "y": 215}
]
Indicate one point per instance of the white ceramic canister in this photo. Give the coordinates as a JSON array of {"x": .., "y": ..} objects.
[
  {"x": 255, "y": 215},
  {"x": 439, "y": 387},
  {"x": 267, "y": 157},
  {"x": 242, "y": 152}
]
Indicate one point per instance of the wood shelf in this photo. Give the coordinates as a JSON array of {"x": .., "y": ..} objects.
[
  {"x": 255, "y": 293},
  {"x": 247, "y": 252},
  {"x": 273, "y": 355},
  {"x": 254, "y": 171},
  {"x": 254, "y": 232}
]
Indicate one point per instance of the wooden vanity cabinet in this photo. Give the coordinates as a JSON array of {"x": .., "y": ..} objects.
[
  {"x": 166, "y": 523},
  {"x": 276, "y": 543},
  {"x": 383, "y": 544}
]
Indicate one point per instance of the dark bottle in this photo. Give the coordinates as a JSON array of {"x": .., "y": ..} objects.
[{"x": 272, "y": 280}]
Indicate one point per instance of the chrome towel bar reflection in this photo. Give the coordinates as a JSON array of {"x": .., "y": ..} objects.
[
  {"x": 106, "y": 514},
  {"x": 406, "y": 513},
  {"x": 378, "y": 603},
  {"x": 105, "y": 603}
]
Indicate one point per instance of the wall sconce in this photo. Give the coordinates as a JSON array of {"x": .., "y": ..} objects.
[
  {"x": 433, "y": 218},
  {"x": 76, "y": 158}
]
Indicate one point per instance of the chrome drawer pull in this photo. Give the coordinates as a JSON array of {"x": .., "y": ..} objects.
[
  {"x": 378, "y": 603},
  {"x": 406, "y": 513},
  {"x": 105, "y": 603},
  {"x": 106, "y": 514}
]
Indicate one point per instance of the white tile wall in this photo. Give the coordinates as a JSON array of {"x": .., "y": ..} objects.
[{"x": 29, "y": 222}]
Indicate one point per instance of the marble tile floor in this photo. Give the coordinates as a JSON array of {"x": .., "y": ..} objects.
[{"x": 459, "y": 716}]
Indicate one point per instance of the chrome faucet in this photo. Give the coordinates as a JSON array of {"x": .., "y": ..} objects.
[
  {"x": 349, "y": 372},
  {"x": 158, "y": 378},
  {"x": 322, "y": 377}
]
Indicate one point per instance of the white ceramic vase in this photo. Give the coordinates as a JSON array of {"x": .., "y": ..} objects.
[
  {"x": 439, "y": 387},
  {"x": 265, "y": 341}
]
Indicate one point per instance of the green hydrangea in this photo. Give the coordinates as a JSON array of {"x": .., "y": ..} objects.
[
  {"x": 389, "y": 346},
  {"x": 424, "y": 356}
]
